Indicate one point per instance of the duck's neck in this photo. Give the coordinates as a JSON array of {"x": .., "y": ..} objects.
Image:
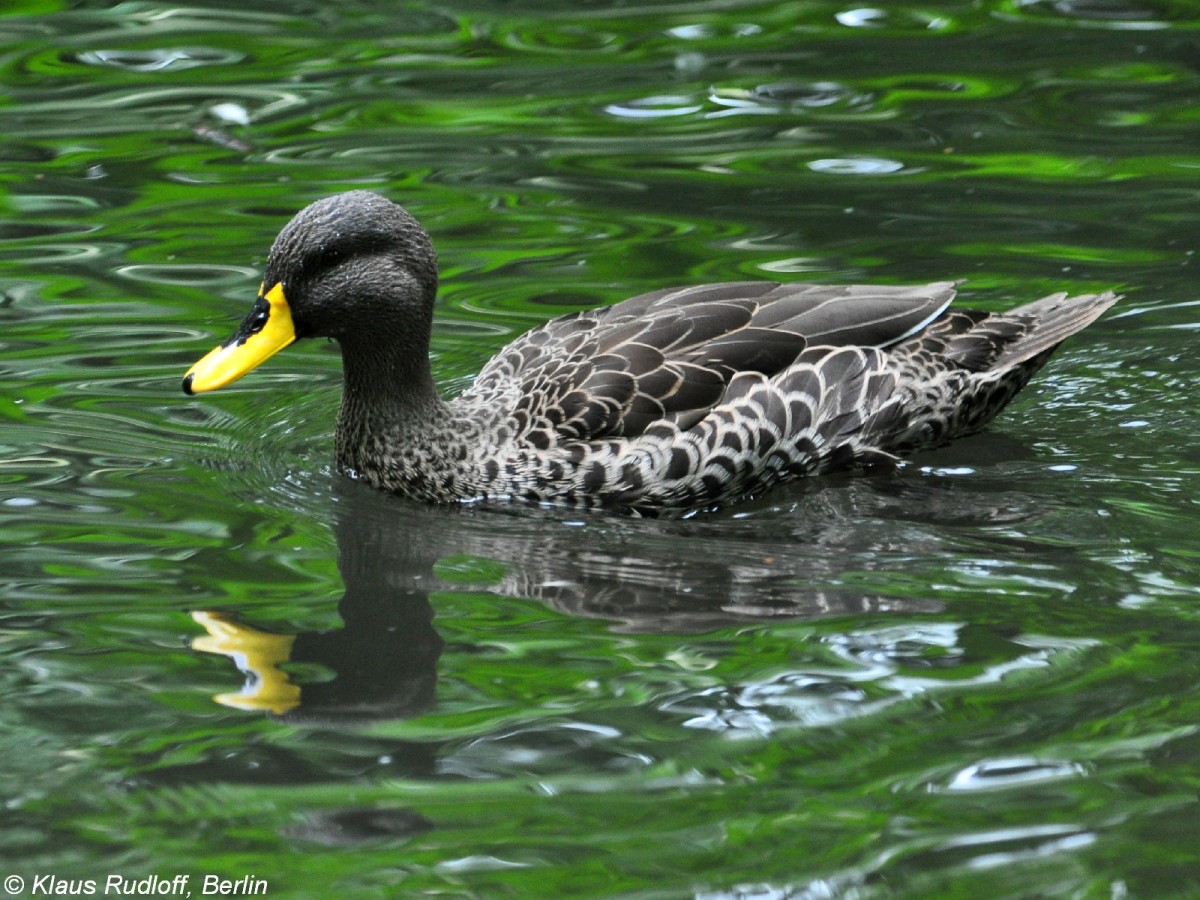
[{"x": 388, "y": 399}]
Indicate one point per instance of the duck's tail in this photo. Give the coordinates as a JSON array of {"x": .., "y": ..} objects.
[
  {"x": 990, "y": 358},
  {"x": 1051, "y": 320}
]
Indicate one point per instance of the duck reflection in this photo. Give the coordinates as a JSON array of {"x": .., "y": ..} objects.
[
  {"x": 382, "y": 662},
  {"x": 747, "y": 565}
]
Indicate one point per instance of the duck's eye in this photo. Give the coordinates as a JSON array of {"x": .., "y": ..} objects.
[{"x": 257, "y": 319}]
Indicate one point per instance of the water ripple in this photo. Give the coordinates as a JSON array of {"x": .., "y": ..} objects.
[
  {"x": 1115, "y": 14},
  {"x": 860, "y": 165},
  {"x": 1010, "y": 772},
  {"x": 209, "y": 276},
  {"x": 176, "y": 58},
  {"x": 654, "y": 107},
  {"x": 152, "y": 107}
]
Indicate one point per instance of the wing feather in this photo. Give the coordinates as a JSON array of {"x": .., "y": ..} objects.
[{"x": 673, "y": 355}]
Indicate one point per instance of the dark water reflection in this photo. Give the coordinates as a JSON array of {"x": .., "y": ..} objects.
[{"x": 695, "y": 576}]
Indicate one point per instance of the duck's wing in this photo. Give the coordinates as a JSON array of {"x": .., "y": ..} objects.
[
  {"x": 670, "y": 354},
  {"x": 978, "y": 341}
]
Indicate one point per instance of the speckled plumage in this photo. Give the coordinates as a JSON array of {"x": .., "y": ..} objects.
[{"x": 679, "y": 398}]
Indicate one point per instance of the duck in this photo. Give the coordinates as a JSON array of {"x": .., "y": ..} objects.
[{"x": 680, "y": 399}]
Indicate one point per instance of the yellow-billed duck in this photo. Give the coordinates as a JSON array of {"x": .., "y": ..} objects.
[{"x": 677, "y": 399}]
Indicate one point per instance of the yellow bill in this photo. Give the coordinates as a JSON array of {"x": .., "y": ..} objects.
[{"x": 266, "y": 331}]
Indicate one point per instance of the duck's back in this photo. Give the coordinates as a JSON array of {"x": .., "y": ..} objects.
[
  {"x": 670, "y": 355},
  {"x": 687, "y": 397}
]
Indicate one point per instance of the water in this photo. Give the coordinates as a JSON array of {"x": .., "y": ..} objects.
[{"x": 970, "y": 677}]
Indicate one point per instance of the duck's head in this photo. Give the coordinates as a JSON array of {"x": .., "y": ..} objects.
[{"x": 354, "y": 266}]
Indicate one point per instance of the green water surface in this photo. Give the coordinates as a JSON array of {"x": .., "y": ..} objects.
[{"x": 972, "y": 677}]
